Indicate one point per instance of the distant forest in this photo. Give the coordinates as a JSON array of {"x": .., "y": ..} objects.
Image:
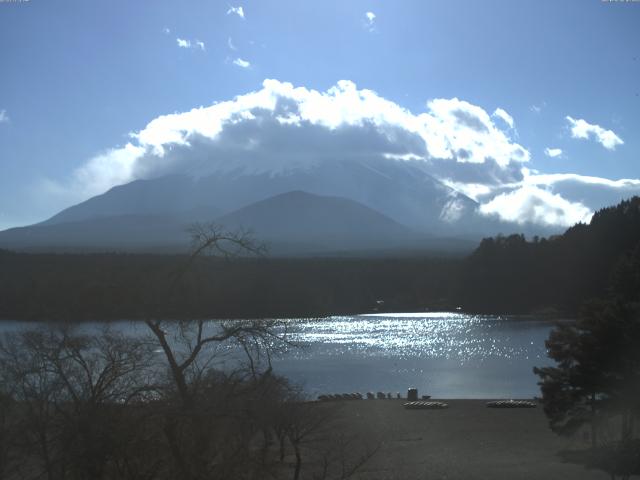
[{"x": 505, "y": 274}]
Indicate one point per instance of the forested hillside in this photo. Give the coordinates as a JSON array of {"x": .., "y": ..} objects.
[
  {"x": 561, "y": 272},
  {"x": 127, "y": 286}
]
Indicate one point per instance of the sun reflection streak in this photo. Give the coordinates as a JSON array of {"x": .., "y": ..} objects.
[{"x": 448, "y": 335}]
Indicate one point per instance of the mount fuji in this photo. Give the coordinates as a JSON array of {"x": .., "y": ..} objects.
[{"x": 373, "y": 204}]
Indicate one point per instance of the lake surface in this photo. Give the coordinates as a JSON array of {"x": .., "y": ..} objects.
[{"x": 446, "y": 355}]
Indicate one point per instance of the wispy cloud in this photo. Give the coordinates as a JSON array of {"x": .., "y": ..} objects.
[
  {"x": 237, "y": 11},
  {"x": 166, "y": 30},
  {"x": 4, "y": 118},
  {"x": 370, "y": 21},
  {"x": 184, "y": 43},
  {"x": 230, "y": 44},
  {"x": 553, "y": 152},
  {"x": 585, "y": 130},
  {"x": 537, "y": 108},
  {"x": 504, "y": 116},
  {"x": 241, "y": 63}
]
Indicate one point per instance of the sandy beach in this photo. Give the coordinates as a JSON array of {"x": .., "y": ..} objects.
[{"x": 466, "y": 441}]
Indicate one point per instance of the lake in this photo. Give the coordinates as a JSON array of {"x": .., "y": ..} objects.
[{"x": 446, "y": 355}]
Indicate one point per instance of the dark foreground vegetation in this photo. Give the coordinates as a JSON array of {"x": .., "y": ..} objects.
[
  {"x": 595, "y": 385},
  {"x": 505, "y": 274},
  {"x": 594, "y": 388},
  {"x": 107, "y": 407}
]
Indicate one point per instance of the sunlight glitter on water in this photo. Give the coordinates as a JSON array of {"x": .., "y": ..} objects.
[
  {"x": 450, "y": 355},
  {"x": 433, "y": 335}
]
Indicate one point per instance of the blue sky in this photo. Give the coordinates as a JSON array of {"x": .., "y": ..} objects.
[{"x": 78, "y": 77}]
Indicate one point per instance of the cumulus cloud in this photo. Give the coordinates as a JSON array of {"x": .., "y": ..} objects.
[
  {"x": 281, "y": 127},
  {"x": 585, "y": 130},
  {"x": 455, "y": 129},
  {"x": 530, "y": 204},
  {"x": 4, "y": 117},
  {"x": 369, "y": 21},
  {"x": 504, "y": 116},
  {"x": 553, "y": 152},
  {"x": 239, "y": 11},
  {"x": 230, "y": 44},
  {"x": 241, "y": 63}
]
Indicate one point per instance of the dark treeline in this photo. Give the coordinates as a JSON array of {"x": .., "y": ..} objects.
[
  {"x": 511, "y": 274},
  {"x": 593, "y": 388},
  {"x": 117, "y": 286},
  {"x": 505, "y": 274}
]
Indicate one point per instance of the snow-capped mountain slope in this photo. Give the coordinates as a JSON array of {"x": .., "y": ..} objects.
[{"x": 401, "y": 190}]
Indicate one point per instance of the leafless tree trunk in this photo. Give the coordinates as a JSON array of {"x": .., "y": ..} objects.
[{"x": 189, "y": 349}]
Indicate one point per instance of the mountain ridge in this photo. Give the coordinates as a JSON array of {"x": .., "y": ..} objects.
[
  {"x": 401, "y": 190},
  {"x": 294, "y": 222},
  {"x": 404, "y": 195}
]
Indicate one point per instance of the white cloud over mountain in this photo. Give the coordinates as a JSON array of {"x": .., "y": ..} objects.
[
  {"x": 531, "y": 204},
  {"x": 280, "y": 127},
  {"x": 593, "y": 192}
]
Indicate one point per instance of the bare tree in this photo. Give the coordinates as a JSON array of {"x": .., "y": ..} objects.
[
  {"x": 192, "y": 336},
  {"x": 192, "y": 348},
  {"x": 72, "y": 391},
  {"x": 8, "y": 432}
]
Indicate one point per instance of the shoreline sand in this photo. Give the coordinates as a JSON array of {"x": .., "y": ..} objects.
[{"x": 467, "y": 441}]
